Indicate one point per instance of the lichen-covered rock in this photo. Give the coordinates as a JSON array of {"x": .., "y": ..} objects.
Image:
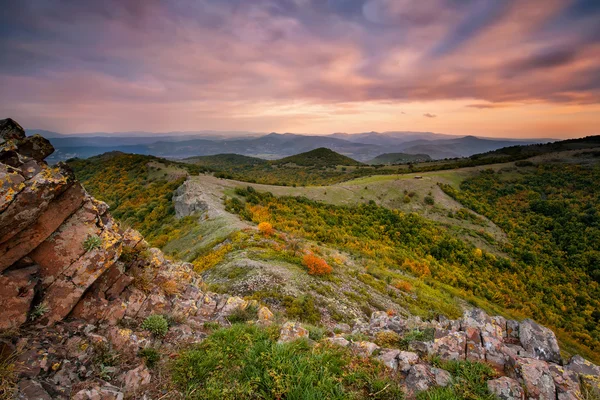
[
  {"x": 188, "y": 199},
  {"x": 389, "y": 358},
  {"x": 291, "y": 331},
  {"x": 100, "y": 392},
  {"x": 441, "y": 376},
  {"x": 582, "y": 366},
  {"x": 451, "y": 346},
  {"x": 540, "y": 341},
  {"x": 566, "y": 382},
  {"x": 136, "y": 380},
  {"x": 364, "y": 348},
  {"x": 406, "y": 359},
  {"x": 338, "y": 340},
  {"x": 265, "y": 316},
  {"x": 419, "y": 378},
  {"x": 11, "y": 130},
  {"x": 233, "y": 303},
  {"x": 30, "y": 389},
  {"x": 474, "y": 349},
  {"x": 18, "y": 290},
  {"x": 536, "y": 376},
  {"x": 505, "y": 388}
]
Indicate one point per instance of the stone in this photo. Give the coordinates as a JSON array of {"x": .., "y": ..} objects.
[
  {"x": 566, "y": 382},
  {"x": 338, "y": 340},
  {"x": 105, "y": 392},
  {"x": 265, "y": 316},
  {"x": 11, "y": 130},
  {"x": 389, "y": 358},
  {"x": 45, "y": 224},
  {"x": 540, "y": 341},
  {"x": 30, "y": 389},
  {"x": 291, "y": 331},
  {"x": 342, "y": 328},
  {"x": 364, "y": 348},
  {"x": 232, "y": 304},
  {"x": 474, "y": 349},
  {"x": 419, "y": 378},
  {"x": 451, "y": 347},
  {"x": 506, "y": 388},
  {"x": 36, "y": 147},
  {"x": 136, "y": 380},
  {"x": 582, "y": 366},
  {"x": 188, "y": 199},
  {"x": 18, "y": 290},
  {"x": 33, "y": 200},
  {"x": 379, "y": 320},
  {"x": 441, "y": 376},
  {"x": 423, "y": 349},
  {"x": 406, "y": 360},
  {"x": 536, "y": 376},
  {"x": 512, "y": 331}
]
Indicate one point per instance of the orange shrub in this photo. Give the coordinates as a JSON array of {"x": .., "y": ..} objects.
[
  {"x": 403, "y": 285},
  {"x": 265, "y": 228},
  {"x": 316, "y": 265}
]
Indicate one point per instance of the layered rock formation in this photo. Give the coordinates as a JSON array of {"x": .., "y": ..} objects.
[{"x": 76, "y": 289}]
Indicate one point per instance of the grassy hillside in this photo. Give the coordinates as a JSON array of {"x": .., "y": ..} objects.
[
  {"x": 398, "y": 158},
  {"x": 321, "y": 157},
  {"x": 394, "y": 242}
]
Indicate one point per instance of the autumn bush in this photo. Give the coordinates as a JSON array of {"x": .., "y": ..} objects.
[
  {"x": 265, "y": 228},
  {"x": 316, "y": 265}
]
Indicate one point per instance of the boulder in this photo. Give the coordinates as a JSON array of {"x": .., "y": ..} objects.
[
  {"x": 441, "y": 376},
  {"x": 389, "y": 358},
  {"x": 265, "y": 316},
  {"x": 406, "y": 359},
  {"x": 582, "y": 366},
  {"x": 11, "y": 130},
  {"x": 536, "y": 376},
  {"x": 338, "y": 340},
  {"x": 419, "y": 378},
  {"x": 188, "y": 199},
  {"x": 291, "y": 331},
  {"x": 540, "y": 341},
  {"x": 364, "y": 348},
  {"x": 451, "y": 346},
  {"x": 103, "y": 392},
  {"x": 506, "y": 388},
  {"x": 566, "y": 383},
  {"x": 474, "y": 349}
]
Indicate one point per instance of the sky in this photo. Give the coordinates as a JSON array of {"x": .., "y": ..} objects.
[{"x": 497, "y": 68}]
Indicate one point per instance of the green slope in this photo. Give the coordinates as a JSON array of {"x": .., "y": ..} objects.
[
  {"x": 321, "y": 157},
  {"x": 398, "y": 158}
]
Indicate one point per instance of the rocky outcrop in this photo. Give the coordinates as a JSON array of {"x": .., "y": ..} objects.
[{"x": 188, "y": 200}]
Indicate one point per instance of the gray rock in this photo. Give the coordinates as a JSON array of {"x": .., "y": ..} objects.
[
  {"x": 389, "y": 358},
  {"x": 582, "y": 366},
  {"x": 406, "y": 359},
  {"x": 188, "y": 199},
  {"x": 540, "y": 341},
  {"x": 536, "y": 376},
  {"x": 506, "y": 388},
  {"x": 419, "y": 378}
]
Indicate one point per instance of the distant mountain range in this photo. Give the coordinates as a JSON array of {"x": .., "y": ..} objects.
[{"x": 360, "y": 146}]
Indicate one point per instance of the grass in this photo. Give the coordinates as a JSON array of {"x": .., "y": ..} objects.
[
  {"x": 238, "y": 315},
  {"x": 246, "y": 362},
  {"x": 469, "y": 382},
  {"x": 8, "y": 374},
  {"x": 92, "y": 242}
]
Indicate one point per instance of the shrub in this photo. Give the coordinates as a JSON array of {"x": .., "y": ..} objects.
[
  {"x": 240, "y": 315},
  {"x": 429, "y": 200},
  {"x": 316, "y": 265},
  {"x": 265, "y": 228},
  {"x": 92, "y": 242},
  {"x": 387, "y": 339},
  {"x": 315, "y": 333},
  {"x": 403, "y": 285},
  {"x": 302, "y": 308},
  {"x": 150, "y": 355},
  {"x": 246, "y": 362},
  {"x": 157, "y": 324}
]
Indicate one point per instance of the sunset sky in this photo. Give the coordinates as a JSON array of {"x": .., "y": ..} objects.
[{"x": 504, "y": 68}]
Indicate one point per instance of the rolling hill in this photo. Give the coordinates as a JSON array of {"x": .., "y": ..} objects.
[{"x": 321, "y": 157}]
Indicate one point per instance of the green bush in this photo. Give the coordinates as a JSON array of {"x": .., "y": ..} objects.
[
  {"x": 92, "y": 242},
  {"x": 429, "y": 200},
  {"x": 302, "y": 308},
  {"x": 246, "y": 362},
  {"x": 239, "y": 315},
  {"x": 157, "y": 324},
  {"x": 150, "y": 355}
]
